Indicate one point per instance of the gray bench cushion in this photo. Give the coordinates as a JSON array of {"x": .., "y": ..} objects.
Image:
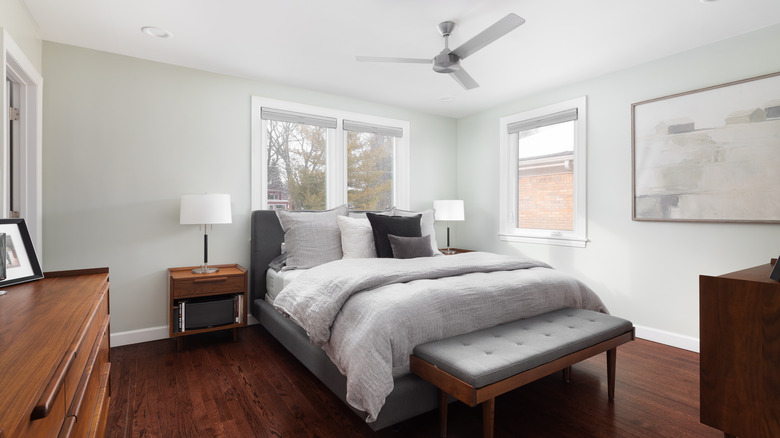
[{"x": 486, "y": 356}]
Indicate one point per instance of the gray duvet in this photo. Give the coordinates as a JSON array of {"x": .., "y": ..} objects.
[{"x": 369, "y": 314}]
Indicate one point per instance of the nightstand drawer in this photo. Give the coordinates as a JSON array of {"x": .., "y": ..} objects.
[{"x": 216, "y": 284}]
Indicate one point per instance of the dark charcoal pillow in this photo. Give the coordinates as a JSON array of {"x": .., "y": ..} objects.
[
  {"x": 410, "y": 247},
  {"x": 408, "y": 226}
]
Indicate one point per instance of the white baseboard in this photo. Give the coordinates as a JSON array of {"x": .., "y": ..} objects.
[
  {"x": 650, "y": 334},
  {"x": 150, "y": 334},
  {"x": 668, "y": 338},
  {"x": 138, "y": 336}
]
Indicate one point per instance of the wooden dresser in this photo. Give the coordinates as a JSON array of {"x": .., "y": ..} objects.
[
  {"x": 54, "y": 356},
  {"x": 740, "y": 352}
]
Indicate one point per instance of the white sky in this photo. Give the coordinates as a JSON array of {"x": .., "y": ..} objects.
[{"x": 547, "y": 140}]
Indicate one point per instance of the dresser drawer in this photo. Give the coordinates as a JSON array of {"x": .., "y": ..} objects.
[
  {"x": 86, "y": 342},
  {"x": 100, "y": 418},
  {"x": 48, "y": 426},
  {"x": 185, "y": 288},
  {"x": 87, "y": 399}
]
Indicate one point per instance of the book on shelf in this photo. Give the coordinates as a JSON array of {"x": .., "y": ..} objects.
[
  {"x": 182, "y": 320},
  {"x": 238, "y": 304},
  {"x": 178, "y": 317}
]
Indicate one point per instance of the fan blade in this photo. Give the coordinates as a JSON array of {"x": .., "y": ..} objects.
[
  {"x": 487, "y": 36},
  {"x": 464, "y": 79},
  {"x": 383, "y": 59}
]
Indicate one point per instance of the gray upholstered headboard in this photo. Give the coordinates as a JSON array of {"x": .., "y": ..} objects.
[{"x": 266, "y": 243}]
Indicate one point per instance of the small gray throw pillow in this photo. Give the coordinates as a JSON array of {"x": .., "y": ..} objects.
[
  {"x": 311, "y": 238},
  {"x": 410, "y": 247}
]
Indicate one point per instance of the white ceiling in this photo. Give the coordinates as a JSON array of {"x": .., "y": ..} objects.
[{"x": 312, "y": 44}]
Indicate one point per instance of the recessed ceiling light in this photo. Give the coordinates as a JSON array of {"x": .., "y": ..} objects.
[
  {"x": 446, "y": 98},
  {"x": 156, "y": 32}
]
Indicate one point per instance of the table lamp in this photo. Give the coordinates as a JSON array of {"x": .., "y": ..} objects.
[
  {"x": 205, "y": 209},
  {"x": 448, "y": 210}
]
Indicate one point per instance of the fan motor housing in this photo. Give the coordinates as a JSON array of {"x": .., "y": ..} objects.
[{"x": 446, "y": 62}]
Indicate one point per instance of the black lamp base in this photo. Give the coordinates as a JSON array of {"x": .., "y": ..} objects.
[{"x": 204, "y": 268}]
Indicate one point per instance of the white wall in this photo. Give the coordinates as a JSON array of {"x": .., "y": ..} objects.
[
  {"x": 124, "y": 138},
  {"x": 644, "y": 271},
  {"x": 15, "y": 21}
]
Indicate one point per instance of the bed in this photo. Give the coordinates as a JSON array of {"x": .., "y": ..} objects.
[{"x": 407, "y": 395}]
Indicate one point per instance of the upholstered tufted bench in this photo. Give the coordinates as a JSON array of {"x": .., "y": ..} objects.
[{"x": 476, "y": 367}]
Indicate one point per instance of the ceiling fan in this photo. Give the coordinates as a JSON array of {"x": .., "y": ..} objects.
[{"x": 448, "y": 61}]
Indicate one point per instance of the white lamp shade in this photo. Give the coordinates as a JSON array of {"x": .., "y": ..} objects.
[
  {"x": 449, "y": 210},
  {"x": 205, "y": 209}
]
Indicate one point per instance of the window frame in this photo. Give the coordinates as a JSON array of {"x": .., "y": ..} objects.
[
  {"x": 336, "y": 179},
  {"x": 29, "y": 83},
  {"x": 508, "y": 174}
]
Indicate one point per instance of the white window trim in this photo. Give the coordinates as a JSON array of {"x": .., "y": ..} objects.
[
  {"x": 20, "y": 70},
  {"x": 508, "y": 230},
  {"x": 337, "y": 157}
]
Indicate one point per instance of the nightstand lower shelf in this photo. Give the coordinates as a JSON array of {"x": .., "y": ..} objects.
[{"x": 201, "y": 303}]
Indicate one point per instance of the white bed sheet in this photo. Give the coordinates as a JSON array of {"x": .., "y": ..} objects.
[{"x": 276, "y": 281}]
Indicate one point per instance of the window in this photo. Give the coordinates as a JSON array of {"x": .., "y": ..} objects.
[
  {"x": 297, "y": 147},
  {"x": 370, "y": 165},
  {"x": 543, "y": 175},
  {"x": 313, "y": 158}
]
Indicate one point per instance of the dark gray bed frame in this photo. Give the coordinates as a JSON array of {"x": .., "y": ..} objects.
[{"x": 411, "y": 395}]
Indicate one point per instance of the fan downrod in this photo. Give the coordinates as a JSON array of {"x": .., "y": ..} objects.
[{"x": 446, "y": 62}]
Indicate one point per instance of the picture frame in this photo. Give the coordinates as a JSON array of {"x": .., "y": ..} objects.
[
  {"x": 775, "y": 274},
  {"x": 708, "y": 155},
  {"x": 21, "y": 262}
]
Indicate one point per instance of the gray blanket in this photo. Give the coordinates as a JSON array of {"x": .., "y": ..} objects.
[{"x": 369, "y": 314}]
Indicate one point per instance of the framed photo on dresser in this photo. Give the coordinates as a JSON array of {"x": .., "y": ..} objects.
[
  {"x": 775, "y": 274},
  {"x": 18, "y": 253}
]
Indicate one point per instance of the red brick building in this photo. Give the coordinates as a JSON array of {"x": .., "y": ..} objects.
[{"x": 546, "y": 192}]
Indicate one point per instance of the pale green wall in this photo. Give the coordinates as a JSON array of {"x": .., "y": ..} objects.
[
  {"x": 124, "y": 138},
  {"x": 647, "y": 272},
  {"x": 15, "y": 21}
]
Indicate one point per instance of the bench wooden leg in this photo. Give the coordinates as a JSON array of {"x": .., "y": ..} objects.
[
  {"x": 442, "y": 413},
  {"x": 567, "y": 374},
  {"x": 611, "y": 356},
  {"x": 488, "y": 417}
]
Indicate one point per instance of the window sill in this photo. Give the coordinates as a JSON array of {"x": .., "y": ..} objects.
[{"x": 576, "y": 242}]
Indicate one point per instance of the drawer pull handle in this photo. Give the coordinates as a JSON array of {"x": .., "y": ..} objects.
[
  {"x": 67, "y": 427},
  {"x": 46, "y": 402},
  {"x": 210, "y": 280}
]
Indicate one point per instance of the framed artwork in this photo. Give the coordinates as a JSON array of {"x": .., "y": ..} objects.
[
  {"x": 21, "y": 264},
  {"x": 709, "y": 155}
]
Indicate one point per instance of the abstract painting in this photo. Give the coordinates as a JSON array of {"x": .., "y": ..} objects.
[{"x": 709, "y": 155}]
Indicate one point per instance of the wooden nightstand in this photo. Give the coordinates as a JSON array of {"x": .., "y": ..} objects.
[
  {"x": 216, "y": 301},
  {"x": 456, "y": 251}
]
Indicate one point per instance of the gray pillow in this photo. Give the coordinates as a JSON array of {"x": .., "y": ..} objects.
[
  {"x": 426, "y": 224},
  {"x": 278, "y": 262},
  {"x": 311, "y": 238},
  {"x": 410, "y": 247}
]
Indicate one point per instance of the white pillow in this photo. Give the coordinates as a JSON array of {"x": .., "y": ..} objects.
[
  {"x": 426, "y": 225},
  {"x": 357, "y": 238}
]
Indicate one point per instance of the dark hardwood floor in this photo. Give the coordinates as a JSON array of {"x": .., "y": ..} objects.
[{"x": 214, "y": 387}]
